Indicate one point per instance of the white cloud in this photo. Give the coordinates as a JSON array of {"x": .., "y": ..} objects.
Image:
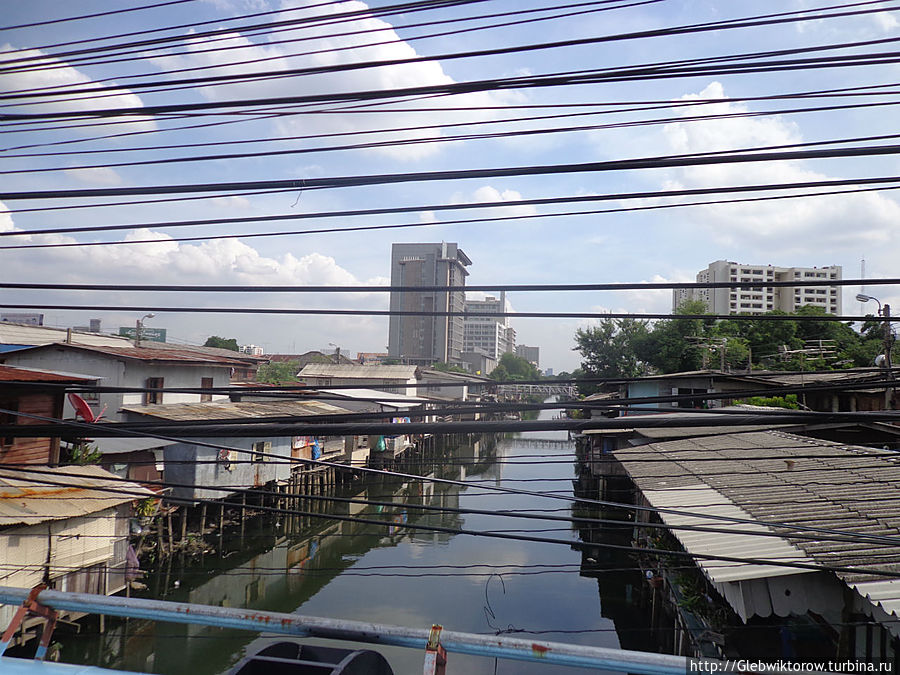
[
  {"x": 827, "y": 223},
  {"x": 56, "y": 73},
  {"x": 96, "y": 176},
  {"x": 335, "y": 51},
  {"x": 490, "y": 195}
]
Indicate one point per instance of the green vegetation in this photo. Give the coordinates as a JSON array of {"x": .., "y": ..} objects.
[
  {"x": 628, "y": 347},
  {"x": 84, "y": 453},
  {"x": 512, "y": 368},
  {"x": 449, "y": 368},
  {"x": 790, "y": 401},
  {"x": 282, "y": 372},
  {"x": 222, "y": 343}
]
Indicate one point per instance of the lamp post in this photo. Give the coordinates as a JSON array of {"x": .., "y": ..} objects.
[
  {"x": 139, "y": 326},
  {"x": 885, "y": 312}
]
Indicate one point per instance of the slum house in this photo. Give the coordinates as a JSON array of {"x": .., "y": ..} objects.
[
  {"x": 32, "y": 392},
  {"x": 200, "y": 472},
  {"x": 154, "y": 367},
  {"x": 699, "y": 382},
  {"x": 64, "y": 526},
  {"x": 830, "y": 508},
  {"x": 841, "y": 398},
  {"x": 392, "y": 379},
  {"x": 455, "y": 386}
]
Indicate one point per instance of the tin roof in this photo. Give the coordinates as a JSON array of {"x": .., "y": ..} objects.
[
  {"x": 22, "y": 334},
  {"x": 181, "y": 355},
  {"x": 358, "y": 371},
  {"x": 224, "y": 410},
  {"x": 375, "y": 396},
  {"x": 14, "y": 374},
  {"x": 35, "y": 496},
  {"x": 786, "y": 482}
]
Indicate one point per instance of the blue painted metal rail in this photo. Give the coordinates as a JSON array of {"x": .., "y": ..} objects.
[{"x": 555, "y": 653}]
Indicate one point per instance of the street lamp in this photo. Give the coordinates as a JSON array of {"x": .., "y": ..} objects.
[
  {"x": 885, "y": 312},
  {"x": 139, "y": 326}
]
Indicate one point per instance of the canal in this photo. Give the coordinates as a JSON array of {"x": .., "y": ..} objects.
[{"x": 398, "y": 574}]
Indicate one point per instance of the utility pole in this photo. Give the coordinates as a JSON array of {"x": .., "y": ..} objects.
[{"x": 888, "y": 340}]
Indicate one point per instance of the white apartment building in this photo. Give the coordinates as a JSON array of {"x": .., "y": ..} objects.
[
  {"x": 760, "y": 298},
  {"x": 484, "y": 331}
]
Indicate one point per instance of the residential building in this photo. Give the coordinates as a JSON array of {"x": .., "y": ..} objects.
[
  {"x": 253, "y": 350},
  {"x": 393, "y": 379},
  {"x": 425, "y": 340},
  {"x": 66, "y": 527},
  {"x": 32, "y": 392},
  {"x": 152, "y": 368},
  {"x": 760, "y": 298},
  {"x": 530, "y": 354},
  {"x": 485, "y": 330},
  {"x": 213, "y": 467}
]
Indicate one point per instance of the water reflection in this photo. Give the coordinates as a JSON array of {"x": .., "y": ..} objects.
[{"x": 394, "y": 573}]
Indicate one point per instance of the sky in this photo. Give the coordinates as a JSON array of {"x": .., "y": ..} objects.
[{"x": 643, "y": 245}]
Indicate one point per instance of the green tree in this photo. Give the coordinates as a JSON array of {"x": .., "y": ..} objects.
[
  {"x": 222, "y": 343},
  {"x": 512, "y": 367},
  {"x": 672, "y": 345},
  {"x": 609, "y": 349},
  {"x": 280, "y": 372}
]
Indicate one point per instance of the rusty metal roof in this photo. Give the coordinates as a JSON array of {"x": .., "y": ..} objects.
[
  {"x": 157, "y": 354},
  {"x": 224, "y": 410},
  {"x": 30, "y": 496},
  {"x": 14, "y": 374}
]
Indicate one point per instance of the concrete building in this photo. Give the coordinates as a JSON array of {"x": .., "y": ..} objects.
[
  {"x": 760, "y": 299},
  {"x": 530, "y": 354},
  {"x": 485, "y": 331},
  {"x": 424, "y": 340}
]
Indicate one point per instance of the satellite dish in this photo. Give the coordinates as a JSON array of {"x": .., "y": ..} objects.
[
  {"x": 879, "y": 360},
  {"x": 83, "y": 409}
]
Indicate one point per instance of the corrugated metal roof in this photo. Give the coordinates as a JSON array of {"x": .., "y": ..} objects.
[
  {"x": 166, "y": 354},
  {"x": 224, "y": 410},
  {"x": 21, "y": 334},
  {"x": 35, "y": 496},
  {"x": 376, "y": 396},
  {"x": 358, "y": 371},
  {"x": 787, "y": 481},
  {"x": 14, "y": 374}
]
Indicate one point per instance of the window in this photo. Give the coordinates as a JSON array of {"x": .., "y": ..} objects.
[
  {"x": 153, "y": 397},
  {"x": 206, "y": 383},
  {"x": 7, "y": 442},
  {"x": 261, "y": 447}
]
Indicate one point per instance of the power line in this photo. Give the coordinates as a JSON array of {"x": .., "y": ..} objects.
[{"x": 96, "y": 15}]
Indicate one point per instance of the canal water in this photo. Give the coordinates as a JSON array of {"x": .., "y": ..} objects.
[{"x": 400, "y": 575}]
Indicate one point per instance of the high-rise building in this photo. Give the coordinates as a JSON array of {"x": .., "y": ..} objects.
[
  {"x": 760, "y": 298},
  {"x": 424, "y": 340},
  {"x": 530, "y": 354},
  {"x": 485, "y": 330}
]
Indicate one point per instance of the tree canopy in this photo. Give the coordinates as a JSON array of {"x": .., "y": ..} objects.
[
  {"x": 512, "y": 367},
  {"x": 222, "y": 343},
  {"x": 628, "y": 347}
]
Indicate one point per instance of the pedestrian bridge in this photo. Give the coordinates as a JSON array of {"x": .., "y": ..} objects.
[{"x": 549, "y": 389}]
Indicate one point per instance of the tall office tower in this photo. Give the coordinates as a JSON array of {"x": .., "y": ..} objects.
[
  {"x": 424, "y": 340},
  {"x": 485, "y": 331},
  {"x": 761, "y": 298}
]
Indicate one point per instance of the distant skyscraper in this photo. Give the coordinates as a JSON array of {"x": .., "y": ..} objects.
[
  {"x": 761, "y": 298},
  {"x": 423, "y": 340},
  {"x": 485, "y": 331}
]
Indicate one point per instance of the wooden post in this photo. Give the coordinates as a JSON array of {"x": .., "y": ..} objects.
[
  {"x": 203, "y": 519},
  {"x": 243, "y": 515},
  {"x": 171, "y": 535},
  {"x": 184, "y": 518}
]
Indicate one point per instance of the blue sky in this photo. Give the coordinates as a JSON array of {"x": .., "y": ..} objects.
[{"x": 650, "y": 245}]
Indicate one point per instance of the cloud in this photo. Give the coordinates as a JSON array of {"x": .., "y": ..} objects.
[
  {"x": 796, "y": 224},
  {"x": 53, "y": 73},
  {"x": 97, "y": 176},
  {"x": 324, "y": 50},
  {"x": 490, "y": 194}
]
